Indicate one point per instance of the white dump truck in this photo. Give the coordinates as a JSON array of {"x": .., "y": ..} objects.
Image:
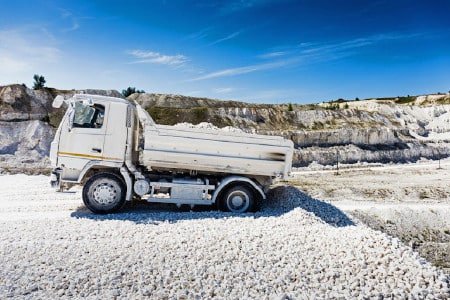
[{"x": 114, "y": 149}]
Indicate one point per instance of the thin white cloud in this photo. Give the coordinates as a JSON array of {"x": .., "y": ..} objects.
[
  {"x": 158, "y": 58},
  {"x": 306, "y": 53},
  {"x": 334, "y": 51},
  {"x": 319, "y": 52},
  {"x": 228, "y": 37},
  {"x": 224, "y": 90},
  {"x": 273, "y": 54},
  {"x": 75, "y": 26},
  {"x": 199, "y": 35},
  {"x": 74, "y": 21},
  {"x": 242, "y": 70}
]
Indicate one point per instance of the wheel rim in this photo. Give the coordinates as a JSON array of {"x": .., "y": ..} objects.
[
  {"x": 238, "y": 201},
  {"x": 105, "y": 193}
]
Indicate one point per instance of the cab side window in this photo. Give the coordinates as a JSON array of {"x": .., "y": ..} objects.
[{"x": 88, "y": 116}]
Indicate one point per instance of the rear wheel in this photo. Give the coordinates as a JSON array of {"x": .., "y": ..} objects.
[
  {"x": 104, "y": 193},
  {"x": 238, "y": 199}
]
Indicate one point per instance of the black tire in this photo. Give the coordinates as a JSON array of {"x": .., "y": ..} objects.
[
  {"x": 104, "y": 193},
  {"x": 238, "y": 199}
]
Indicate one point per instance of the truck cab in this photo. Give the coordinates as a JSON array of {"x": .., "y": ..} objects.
[{"x": 93, "y": 133}]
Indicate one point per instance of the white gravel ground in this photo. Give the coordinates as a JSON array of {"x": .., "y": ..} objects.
[{"x": 295, "y": 248}]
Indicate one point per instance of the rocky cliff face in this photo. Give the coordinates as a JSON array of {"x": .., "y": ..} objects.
[{"x": 357, "y": 131}]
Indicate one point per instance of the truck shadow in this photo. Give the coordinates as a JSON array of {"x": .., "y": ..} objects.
[
  {"x": 283, "y": 199},
  {"x": 280, "y": 200}
]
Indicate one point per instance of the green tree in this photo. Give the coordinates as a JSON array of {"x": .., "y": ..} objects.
[
  {"x": 131, "y": 90},
  {"x": 290, "y": 108},
  {"x": 39, "y": 82}
]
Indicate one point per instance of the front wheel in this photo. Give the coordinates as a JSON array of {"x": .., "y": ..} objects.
[
  {"x": 104, "y": 193},
  {"x": 238, "y": 199}
]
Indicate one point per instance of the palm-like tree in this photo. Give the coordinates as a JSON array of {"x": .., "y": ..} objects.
[{"x": 39, "y": 82}]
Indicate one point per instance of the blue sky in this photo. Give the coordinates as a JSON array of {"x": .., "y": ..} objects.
[{"x": 257, "y": 50}]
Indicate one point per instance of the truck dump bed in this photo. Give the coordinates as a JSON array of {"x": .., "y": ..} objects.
[{"x": 216, "y": 151}]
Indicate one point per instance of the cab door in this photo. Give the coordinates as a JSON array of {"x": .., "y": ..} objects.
[{"x": 82, "y": 138}]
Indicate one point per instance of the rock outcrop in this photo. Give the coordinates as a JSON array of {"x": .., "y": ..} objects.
[
  {"x": 27, "y": 126},
  {"x": 18, "y": 103}
]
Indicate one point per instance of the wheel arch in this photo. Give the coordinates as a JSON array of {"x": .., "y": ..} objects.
[
  {"x": 95, "y": 167},
  {"x": 235, "y": 180}
]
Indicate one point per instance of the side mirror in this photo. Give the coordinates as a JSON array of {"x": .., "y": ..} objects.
[
  {"x": 59, "y": 100},
  {"x": 70, "y": 116}
]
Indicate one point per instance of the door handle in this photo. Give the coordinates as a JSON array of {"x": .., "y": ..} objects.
[{"x": 97, "y": 150}]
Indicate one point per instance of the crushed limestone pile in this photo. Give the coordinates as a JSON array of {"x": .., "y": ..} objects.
[{"x": 295, "y": 247}]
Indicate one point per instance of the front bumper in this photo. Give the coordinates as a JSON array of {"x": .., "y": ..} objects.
[{"x": 55, "y": 178}]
